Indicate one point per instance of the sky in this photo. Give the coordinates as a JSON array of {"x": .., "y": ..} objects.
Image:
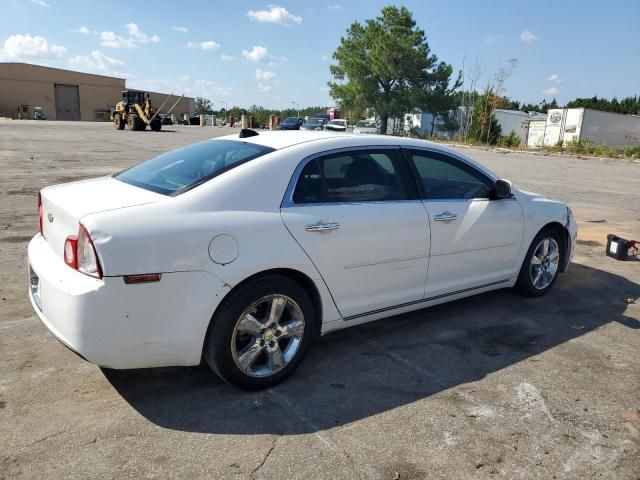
[{"x": 278, "y": 53}]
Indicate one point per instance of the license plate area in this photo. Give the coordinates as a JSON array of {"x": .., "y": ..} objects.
[{"x": 34, "y": 286}]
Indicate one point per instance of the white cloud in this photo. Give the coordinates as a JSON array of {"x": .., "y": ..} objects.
[
  {"x": 208, "y": 45},
  {"x": 136, "y": 37},
  {"x": 58, "y": 50},
  {"x": 265, "y": 75},
  {"x": 550, "y": 91},
  {"x": 184, "y": 78},
  {"x": 275, "y": 14},
  {"x": 334, "y": 7},
  {"x": 227, "y": 58},
  {"x": 263, "y": 87},
  {"x": 42, "y": 3},
  {"x": 83, "y": 30},
  {"x": 180, "y": 29},
  {"x": 256, "y": 54},
  {"x": 490, "y": 40},
  {"x": 528, "y": 36},
  {"x": 98, "y": 62},
  {"x": 555, "y": 78},
  {"x": 21, "y": 46},
  {"x": 179, "y": 86},
  {"x": 325, "y": 58}
]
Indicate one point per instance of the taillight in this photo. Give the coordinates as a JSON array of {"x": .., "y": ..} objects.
[
  {"x": 40, "y": 212},
  {"x": 87, "y": 257},
  {"x": 80, "y": 253},
  {"x": 70, "y": 249}
]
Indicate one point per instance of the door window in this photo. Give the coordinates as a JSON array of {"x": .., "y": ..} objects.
[
  {"x": 443, "y": 177},
  {"x": 356, "y": 176}
]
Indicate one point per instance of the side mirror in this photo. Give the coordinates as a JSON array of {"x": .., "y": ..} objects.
[{"x": 502, "y": 189}]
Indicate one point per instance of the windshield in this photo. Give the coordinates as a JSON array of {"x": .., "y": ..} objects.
[
  {"x": 180, "y": 170},
  {"x": 366, "y": 124},
  {"x": 289, "y": 120},
  {"x": 313, "y": 122}
]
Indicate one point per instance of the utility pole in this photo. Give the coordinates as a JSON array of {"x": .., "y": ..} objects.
[{"x": 298, "y": 107}]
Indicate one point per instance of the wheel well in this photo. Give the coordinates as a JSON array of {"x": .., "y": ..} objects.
[
  {"x": 300, "y": 278},
  {"x": 564, "y": 235}
]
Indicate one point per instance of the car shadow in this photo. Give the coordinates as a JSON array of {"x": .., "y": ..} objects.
[{"x": 373, "y": 368}]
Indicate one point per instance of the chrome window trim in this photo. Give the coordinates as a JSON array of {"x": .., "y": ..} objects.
[{"x": 287, "y": 201}]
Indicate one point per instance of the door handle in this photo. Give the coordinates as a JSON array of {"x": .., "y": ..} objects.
[
  {"x": 445, "y": 217},
  {"x": 322, "y": 227}
]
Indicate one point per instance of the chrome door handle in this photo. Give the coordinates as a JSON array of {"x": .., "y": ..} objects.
[
  {"x": 322, "y": 227},
  {"x": 445, "y": 217}
]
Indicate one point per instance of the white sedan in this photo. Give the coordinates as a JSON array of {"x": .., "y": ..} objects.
[{"x": 244, "y": 249}]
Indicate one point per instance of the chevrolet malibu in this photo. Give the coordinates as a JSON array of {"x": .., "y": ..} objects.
[{"x": 242, "y": 250}]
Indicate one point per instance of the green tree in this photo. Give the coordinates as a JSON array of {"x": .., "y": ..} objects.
[
  {"x": 484, "y": 127},
  {"x": 385, "y": 64},
  {"x": 203, "y": 106},
  {"x": 440, "y": 98}
]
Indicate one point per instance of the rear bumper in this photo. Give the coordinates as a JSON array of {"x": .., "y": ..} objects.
[{"x": 116, "y": 325}]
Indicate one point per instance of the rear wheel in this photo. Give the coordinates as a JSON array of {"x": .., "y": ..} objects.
[
  {"x": 118, "y": 122},
  {"x": 156, "y": 125},
  {"x": 541, "y": 265},
  {"x": 133, "y": 121},
  {"x": 261, "y": 333}
]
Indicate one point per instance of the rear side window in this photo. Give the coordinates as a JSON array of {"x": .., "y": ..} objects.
[
  {"x": 445, "y": 178},
  {"x": 180, "y": 170},
  {"x": 358, "y": 176}
]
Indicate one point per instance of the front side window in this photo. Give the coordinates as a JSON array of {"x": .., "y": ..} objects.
[
  {"x": 180, "y": 170},
  {"x": 445, "y": 178},
  {"x": 357, "y": 176}
]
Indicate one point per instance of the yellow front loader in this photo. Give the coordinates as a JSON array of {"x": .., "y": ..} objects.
[{"x": 135, "y": 111}]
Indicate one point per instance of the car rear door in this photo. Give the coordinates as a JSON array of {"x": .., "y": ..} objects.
[
  {"x": 475, "y": 239},
  {"x": 353, "y": 213}
]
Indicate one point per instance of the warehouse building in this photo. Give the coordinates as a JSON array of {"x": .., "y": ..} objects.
[{"x": 26, "y": 90}]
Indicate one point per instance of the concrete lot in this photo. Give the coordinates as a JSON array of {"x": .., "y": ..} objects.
[{"x": 491, "y": 386}]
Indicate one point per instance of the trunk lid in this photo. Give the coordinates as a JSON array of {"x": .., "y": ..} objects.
[{"x": 63, "y": 206}]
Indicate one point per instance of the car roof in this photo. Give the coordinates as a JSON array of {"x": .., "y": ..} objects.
[
  {"x": 279, "y": 139},
  {"x": 328, "y": 140}
]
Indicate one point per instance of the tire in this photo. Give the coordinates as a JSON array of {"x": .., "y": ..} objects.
[
  {"x": 538, "y": 275},
  {"x": 117, "y": 122},
  {"x": 133, "y": 121},
  {"x": 229, "y": 344},
  {"x": 156, "y": 125}
]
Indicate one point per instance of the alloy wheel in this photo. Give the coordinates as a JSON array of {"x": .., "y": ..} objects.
[
  {"x": 544, "y": 263},
  {"x": 267, "y": 336}
]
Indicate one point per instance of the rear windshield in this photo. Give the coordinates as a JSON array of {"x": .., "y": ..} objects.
[{"x": 175, "y": 172}]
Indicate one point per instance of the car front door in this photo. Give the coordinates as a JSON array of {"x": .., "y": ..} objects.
[
  {"x": 355, "y": 215},
  {"x": 475, "y": 238}
]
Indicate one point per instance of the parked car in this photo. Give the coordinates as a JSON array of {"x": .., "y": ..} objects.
[
  {"x": 365, "y": 126},
  {"x": 313, "y": 124},
  {"x": 291, "y": 123},
  {"x": 336, "y": 125},
  {"x": 193, "y": 254},
  {"x": 166, "y": 120}
]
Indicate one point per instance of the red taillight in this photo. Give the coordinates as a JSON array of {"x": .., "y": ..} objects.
[
  {"x": 80, "y": 253},
  {"x": 40, "y": 212},
  {"x": 70, "y": 251}
]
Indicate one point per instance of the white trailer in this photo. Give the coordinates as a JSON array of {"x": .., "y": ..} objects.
[{"x": 598, "y": 128}]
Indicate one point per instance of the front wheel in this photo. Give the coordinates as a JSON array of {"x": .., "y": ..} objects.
[
  {"x": 118, "y": 122},
  {"x": 261, "y": 333},
  {"x": 156, "y": 125},
  {"x": 541, "y": 264}
]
